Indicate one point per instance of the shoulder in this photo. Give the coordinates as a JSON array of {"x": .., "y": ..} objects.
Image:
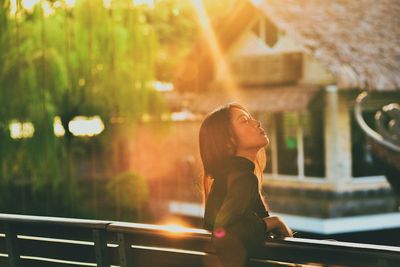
[{"x": 241, "y": 177}]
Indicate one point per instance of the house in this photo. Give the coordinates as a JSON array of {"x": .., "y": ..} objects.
[{"x": 298, "y": 67}]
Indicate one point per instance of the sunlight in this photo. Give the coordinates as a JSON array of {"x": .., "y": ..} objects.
[
  {"x": 86, "y": 126},
  {"x": 186, "y": 208},
  {"x": 212, "y": 43},
  {"x": 20, "y": 130},
  {"x": 29, "y": 4},
  {"x": 163, "y": 86},
  {"x": 13, "y": 7},
  {"x": 174, "y": 250},
  {"x": 107, "y": 3},
  {"x": 58, "y": 127},
  {"x": 146, "y": 117},
  {"x": 170, "y": 225},
  {"x": 70, "y": 3},
  {"x": 81, "y": 82},
  {"x": 149, "y": 3},
  {"x": 175, "y": 226},
  {"x": 47, "y": 9},
  {"x": 57, "y": 4},
  {"x": 183, "y": 115},
  {"x": 165, "y": 116},
  {"x": 257, "y": 2}
]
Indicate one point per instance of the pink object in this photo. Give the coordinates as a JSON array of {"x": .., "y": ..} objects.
[{"x": 219, "y": 232}]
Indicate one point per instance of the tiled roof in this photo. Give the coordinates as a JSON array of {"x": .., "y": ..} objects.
[{"x": 358, "y": 41}]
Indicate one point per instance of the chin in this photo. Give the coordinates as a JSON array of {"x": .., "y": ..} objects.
[
  {"x": 262, "y": 143},
  {"x": 266, "y": 141}
]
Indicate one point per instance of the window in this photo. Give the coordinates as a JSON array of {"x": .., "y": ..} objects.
[
  {"x": 286, "y": 137},
  {"x": 313, "y": 136},
  {"x": 296, "y": 143},
  {"x": 267, "y": 31}
]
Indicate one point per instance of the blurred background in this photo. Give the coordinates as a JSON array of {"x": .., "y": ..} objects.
[{"x": 101, "y": 103}]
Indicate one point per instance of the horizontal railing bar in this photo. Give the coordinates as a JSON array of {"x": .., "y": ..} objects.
[
  {"x": 174, "y": 250},
  {"x": 56, "y": 231},
  {"x": 313, "y": 242},
  {"x": 79, "y": 263},
  {"x": 324, "y": 254},
  {"x": 141, "y": 227},
  {"x": 280, "y": 263},
  {"x": 153, "y": 257},
  {"x": 166, "y": 240},
  {"x": 2, "y": 244},
  {"x": 56, "y": 240},
  {"x": 177, "y": 242},
  {"x": 57, "y": 251},
  {"x": 84, "y": 223}
]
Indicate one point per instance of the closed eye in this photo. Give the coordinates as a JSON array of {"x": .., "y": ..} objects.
[{"x": 244, "y": 118}]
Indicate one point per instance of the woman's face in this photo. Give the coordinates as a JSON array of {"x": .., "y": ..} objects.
[{"x": 249, "y": 134}]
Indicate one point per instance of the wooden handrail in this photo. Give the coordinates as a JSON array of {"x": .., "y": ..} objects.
[{"x": 48, "y": 241}]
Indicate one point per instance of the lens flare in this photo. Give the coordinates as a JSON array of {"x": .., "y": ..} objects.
[{"x": 219, "y": 232}]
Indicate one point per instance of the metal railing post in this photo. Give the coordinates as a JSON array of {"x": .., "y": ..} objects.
[
  {"x": 123, "y": 250},
  {"x": 12, "y": 246},
  {"x": 100, "y": 244}
]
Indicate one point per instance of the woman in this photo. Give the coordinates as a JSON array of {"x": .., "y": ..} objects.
[{"x": 232, "y": 152}]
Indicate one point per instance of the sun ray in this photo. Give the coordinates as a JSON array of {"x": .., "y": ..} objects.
[{"x": 229, "y": 83}]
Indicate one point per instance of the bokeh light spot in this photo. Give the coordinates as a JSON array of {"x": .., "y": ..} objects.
[{"x": 219, "y": 232}]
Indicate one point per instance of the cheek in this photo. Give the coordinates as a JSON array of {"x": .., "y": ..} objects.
[
  {"x": 241, "y": 135},
  {"x": 249, "y": 137},
  {"x": 245, "y": 136}
]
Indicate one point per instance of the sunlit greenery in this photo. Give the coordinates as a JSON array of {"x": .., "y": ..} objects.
[{"x": 62, "y": 59}]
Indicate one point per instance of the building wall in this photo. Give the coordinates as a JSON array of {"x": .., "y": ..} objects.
[
  {"x": 250, "y": 43},
  {"x": 337, "y": 139}
]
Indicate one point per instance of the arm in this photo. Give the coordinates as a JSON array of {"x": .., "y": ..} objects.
[
  {"x": 277, "y": 225},
  {"x": 240, "y": 193},
  {"x": 260, "y": 208}
]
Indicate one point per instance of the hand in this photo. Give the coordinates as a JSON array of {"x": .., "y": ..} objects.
[{"x": 276, "y": 225}]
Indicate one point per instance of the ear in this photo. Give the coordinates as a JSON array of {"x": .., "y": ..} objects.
[
  {"x": 232, "y": 140},
  {"x": 231, "y": 148},
  {"x": 231, "y": 144}
]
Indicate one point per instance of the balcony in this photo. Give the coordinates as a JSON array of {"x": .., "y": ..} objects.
[{"x": 60, "y": 242}]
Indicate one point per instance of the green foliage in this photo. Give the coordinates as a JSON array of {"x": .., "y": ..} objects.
[
  {"x": 86, "y": 60},
  {"x": 83, "y": 60}
]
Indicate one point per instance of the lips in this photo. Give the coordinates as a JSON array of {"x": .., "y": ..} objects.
[{"x": 262, "y": 132}]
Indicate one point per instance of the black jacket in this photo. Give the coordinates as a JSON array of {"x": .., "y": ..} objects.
[{"x": 234, "y": 204}]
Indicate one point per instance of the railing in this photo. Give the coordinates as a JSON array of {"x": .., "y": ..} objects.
[
  {"x": 367, "y": 130},
  {"x": 60, "y": 242},
  {"x": 386, "y": 153}
]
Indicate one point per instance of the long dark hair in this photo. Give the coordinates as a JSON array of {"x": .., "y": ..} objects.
[{"x": 217, "y": 143}]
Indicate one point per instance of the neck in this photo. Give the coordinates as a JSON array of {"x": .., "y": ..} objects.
[{"x": 249, "y": 154}]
